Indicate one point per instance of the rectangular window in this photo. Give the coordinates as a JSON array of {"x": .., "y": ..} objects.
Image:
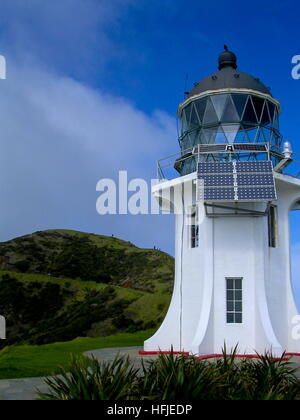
[
  {"x": 234, "y": 301},
  {"x": 272, "y": 226},
  {"x": 194, "y": 227}
]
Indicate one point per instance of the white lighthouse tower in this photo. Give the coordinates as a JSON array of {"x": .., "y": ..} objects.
[{"x": 232, "y": 203}]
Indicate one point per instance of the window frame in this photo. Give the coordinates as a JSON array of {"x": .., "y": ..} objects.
[{"x": 234, "y": 300}]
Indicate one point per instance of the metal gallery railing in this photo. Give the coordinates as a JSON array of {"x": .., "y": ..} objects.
[{"x": 169, "y": 167}]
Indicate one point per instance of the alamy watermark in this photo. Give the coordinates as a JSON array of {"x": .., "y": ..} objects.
[
  {"x": 134, "y": 197},
  {"x": 296, "y": 67},
  {"x": 296, "y": 327}
]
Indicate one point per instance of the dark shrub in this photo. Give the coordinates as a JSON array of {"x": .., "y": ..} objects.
[{"x": 177, "y": 378}]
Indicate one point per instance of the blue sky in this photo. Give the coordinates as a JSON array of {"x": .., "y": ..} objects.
[{"x": 93, "y": 88}]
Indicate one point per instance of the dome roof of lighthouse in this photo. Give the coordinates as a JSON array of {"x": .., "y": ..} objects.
[{"x": 228, "y": 77}]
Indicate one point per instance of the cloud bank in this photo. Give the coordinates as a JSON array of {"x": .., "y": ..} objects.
[
  {"x": 60, "y": 134},
  {"x": 59, "y": 138}
]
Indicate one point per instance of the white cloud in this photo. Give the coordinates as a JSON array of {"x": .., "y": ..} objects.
[{"x": 58, "y": 138}]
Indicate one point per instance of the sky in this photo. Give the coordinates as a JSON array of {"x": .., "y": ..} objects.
[{"x": 93, "y": 88}]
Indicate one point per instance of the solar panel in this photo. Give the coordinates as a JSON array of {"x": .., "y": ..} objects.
[
  {"x": 215, "y": 167},
  {"x": 255, "y": 179},
  {"x": 257, "y": 193},
  {"x": 217, "y": 180},
  {"x": 250, "y": 147},
  {"x": 236, "y": 181},
  {"x": 212, "y": 194},
  {"x": 233, "y": 148},
  {"x": 263, "y": 166},
  {"x": 206, "y": 148}
]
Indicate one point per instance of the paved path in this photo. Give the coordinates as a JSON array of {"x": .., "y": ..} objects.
[
  {"x": 21, "y": 389},
  {"x": 25, "y": 389}
]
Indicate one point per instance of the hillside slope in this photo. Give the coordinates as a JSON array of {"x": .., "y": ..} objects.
[
  {"x": 63, "y": 253},
  {"x": 58, "y": 285}
]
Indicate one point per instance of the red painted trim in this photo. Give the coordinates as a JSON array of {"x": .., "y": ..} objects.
[
  {"x": 293, "y": 354},
  {"x": 154, "y": 353},
  {"x": 240, "y": 356},
  {"x": 214, "y": 356}
]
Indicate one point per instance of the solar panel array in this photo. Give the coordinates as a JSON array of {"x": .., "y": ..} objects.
[
  {"x": 236, "y": 181},
  {"x": 235, "y": 147}
]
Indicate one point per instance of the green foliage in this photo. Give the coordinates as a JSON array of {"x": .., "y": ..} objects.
[
  {"x": 178, "y": 378},
  {"x": 88, "y": 379},
  {"x": 79, "y": 257},
  {"x": 60, "y": 309},
  {"x": 23, "y": 265},
  {"x": 42, "y": 312}
]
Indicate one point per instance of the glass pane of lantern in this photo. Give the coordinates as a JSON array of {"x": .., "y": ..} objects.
[
  {"x": 183, "y": 122},
  {"x": 266, "y": 134},
  {"x": 199, "y": 137},
  {"x": 184, "y": 142},
  {"x": 249, "y": 114},
  {"x": 271, "y": 110},
  {"x": 189, "y": 143},
  {"x": 277, "y": 141},
  {"x": 200, "y": 108},
  {"x": 187, "y": 112},
  {"x": 240, "y": 137},
  {"x": 230, "y": 114},
  {"x": 209, "y": 136},
  {"x": 252, "y": 134},
  {"x": 258, "y": 105},
  {"x": 239, "y": 103},
  {"x": 220, "y": 137},
  {"x": 231, "y": 131},
  {"x": 260, "y": 137},
  {"x": 193, "y": 137},
  {"x": 194, "y": 117},
  {"x": 210, "y": 115},
  {"x": 276, "y": 121},
  {"x": 219, "y": 102},
  {"x": 246, "y": 137},
  {"x": 265, "y": 119}
]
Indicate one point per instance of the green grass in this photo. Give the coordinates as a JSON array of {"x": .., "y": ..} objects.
[
  {"x": 34, "y": 361},
  {"x": 144, "y": 304},
  {"x": 76, "y": 285}
]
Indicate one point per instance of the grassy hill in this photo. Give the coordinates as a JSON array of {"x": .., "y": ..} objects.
[
  {"x": 58, "y": 285},
  {"x": 64, "y": 253}
]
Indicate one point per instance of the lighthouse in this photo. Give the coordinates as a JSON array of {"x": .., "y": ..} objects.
[{"x": 231, "y": 197}]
